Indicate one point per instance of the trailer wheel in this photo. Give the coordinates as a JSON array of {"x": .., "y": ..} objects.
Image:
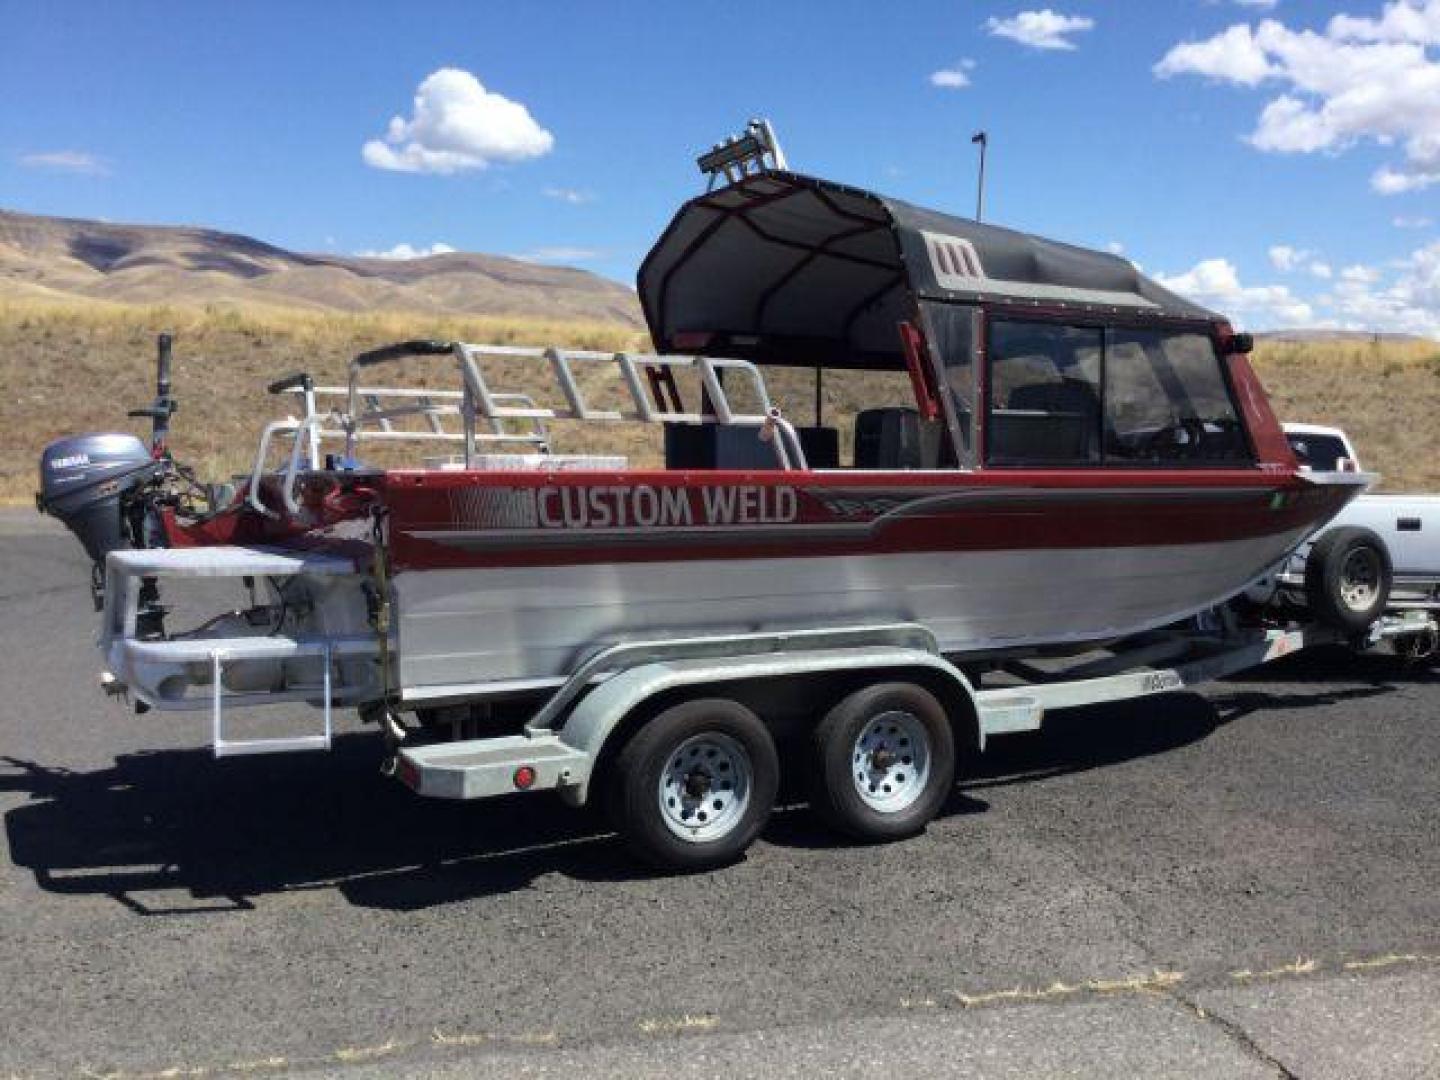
[
  {"x": 1347, "y": 578},
  {"x": 885, "y": 761},
  {"x": 694, "y": 786}
]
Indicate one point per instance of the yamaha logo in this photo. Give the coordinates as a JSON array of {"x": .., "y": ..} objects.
[{"x": 70, "y": 462}]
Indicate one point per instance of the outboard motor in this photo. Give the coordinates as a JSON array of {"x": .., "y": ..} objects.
[
  {"x": 91, "y": 482},
  {"x": 84, "y": 481}
]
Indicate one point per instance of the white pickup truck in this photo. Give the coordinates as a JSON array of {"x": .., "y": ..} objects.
[{"x": 1409, "y": 525}]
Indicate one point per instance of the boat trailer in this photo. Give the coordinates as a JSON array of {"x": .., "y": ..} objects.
[{"x": 562, "y": 743}]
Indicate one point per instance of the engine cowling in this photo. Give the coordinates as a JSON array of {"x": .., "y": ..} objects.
[{"x": 84, "y": 480}]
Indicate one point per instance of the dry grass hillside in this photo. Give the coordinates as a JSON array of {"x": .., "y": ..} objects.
[
  {"x": 55, "y": 258},
  {"x": 67, "y": 367},
  {"x": 1385, "y": 394}
]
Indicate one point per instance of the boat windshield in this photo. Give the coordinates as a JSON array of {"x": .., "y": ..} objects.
[{"x": 1089, "y": 395}]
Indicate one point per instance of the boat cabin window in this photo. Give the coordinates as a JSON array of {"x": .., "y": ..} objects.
[
  {"x": 1166, "y": 400},
  {"x": 952, "y": 330},
  {"x": 1083, "y": 395},
  {"x": 1044, "y": 393}
]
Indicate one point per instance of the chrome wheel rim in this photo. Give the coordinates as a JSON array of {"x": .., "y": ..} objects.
[
  {"x": 705, "y": 787},
  {"x": 1360, "y": 579},
  {"x": 890, "y": 761}
]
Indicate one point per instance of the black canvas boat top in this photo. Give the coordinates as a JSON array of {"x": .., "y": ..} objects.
[{"x": 791, "y": 269}]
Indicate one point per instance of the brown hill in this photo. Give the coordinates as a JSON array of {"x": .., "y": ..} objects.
[
  {"x": 152, "y": 264},
  {"x": 1373, "y": 337}
]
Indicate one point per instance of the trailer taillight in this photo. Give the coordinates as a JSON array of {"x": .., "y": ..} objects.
[
  {"x": 409, "y": 774},
  {"x": 524, "y": 777}
]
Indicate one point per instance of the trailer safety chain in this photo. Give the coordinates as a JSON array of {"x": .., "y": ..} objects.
[
  {"x": 1419, "y": 647},
  {"x": 380, "y": 569}
]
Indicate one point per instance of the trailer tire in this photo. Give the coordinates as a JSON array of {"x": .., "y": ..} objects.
[
  {"x": 884, "y": 762},
  {"x": 694, "y": 785},
  {"x": 1347, "y": 579}
]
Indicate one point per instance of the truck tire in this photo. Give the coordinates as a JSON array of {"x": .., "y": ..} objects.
[
  {"x": 1347, "y": 579},
  {"x": 694, "y": 786},
  {"x": 884, "y": 762}
]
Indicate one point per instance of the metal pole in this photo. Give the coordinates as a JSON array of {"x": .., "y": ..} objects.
[
  {"x": 164, "y": 404},
  {"x": 984, "y": 140}
]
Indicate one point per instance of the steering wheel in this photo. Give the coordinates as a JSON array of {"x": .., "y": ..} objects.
[{"x": 1174, "y": 440}]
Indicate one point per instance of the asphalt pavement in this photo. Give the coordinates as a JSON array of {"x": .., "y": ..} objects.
[{"x": 1241, "y": 882}]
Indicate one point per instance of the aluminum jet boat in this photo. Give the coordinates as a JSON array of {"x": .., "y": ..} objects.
[{"x": 1079, "y": 455}]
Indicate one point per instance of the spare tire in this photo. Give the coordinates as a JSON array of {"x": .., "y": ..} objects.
[{"x": 1347, "y": 578}]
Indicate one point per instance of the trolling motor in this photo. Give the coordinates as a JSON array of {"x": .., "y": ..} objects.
[{"x": 106, "y": 488}]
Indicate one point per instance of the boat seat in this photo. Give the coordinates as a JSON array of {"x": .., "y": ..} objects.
[
  {"x": 896, "y": 438},
  {"x": 821, "y": 446},
  {"x": 1049, "y": 421},
  {"x": 717, "y": 446}
]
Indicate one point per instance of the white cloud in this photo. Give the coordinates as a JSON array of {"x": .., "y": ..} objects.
[
  {"x": 573, "y": 196},
  {"x": 1289, "y": 260},
  {"x": 1359, "y": 79},
  {"x": 1389, "y": 181},
  {"x": 1115, "y": 247},
  {"x": 405, "y": 251},
  {"x": 71, "y": 161},
  {"x": 1400, "y": 20},
  {"x": 1216, "y": 283},
  {"x": 1232, "y": 56},
  {"x": 1286, "y": 258},
  {"x": 457, "y": 124},
  {"x": 1401, "y": 221},
  {"x": 1288, "y": 125},
  {"x": 1043, "y": 29},
  {"x": 956, "y": 77},
  {"x": 559, "y": 254},
  {"x": 1263, "y": 5},
  {"x": 1363, "y": 275},
  {"x": 1401, "y": 296},
  {"x": 1408, "y": 303}
]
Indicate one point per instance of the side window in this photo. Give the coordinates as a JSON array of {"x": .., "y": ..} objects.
[
  {"x": 950, "y": 330},
  {"x": 1044, "y": 393},
  {"x": 1321, "y": 453},
  {"x": 1166, "y": 400}
]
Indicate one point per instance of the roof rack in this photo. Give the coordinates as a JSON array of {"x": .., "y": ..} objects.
[{"x": 755, "y": 150}]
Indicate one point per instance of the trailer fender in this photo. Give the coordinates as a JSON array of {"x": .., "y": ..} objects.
[{"x": 592, "y": 722}]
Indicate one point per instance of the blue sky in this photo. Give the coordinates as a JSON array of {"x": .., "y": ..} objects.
[{"x": 253, "y": 117}]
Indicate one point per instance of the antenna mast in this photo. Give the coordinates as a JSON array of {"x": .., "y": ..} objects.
[{"x": 983, "y": 140}]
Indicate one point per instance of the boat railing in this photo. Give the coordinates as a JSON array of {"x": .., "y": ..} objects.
[
  {"x": 377, "y": 408},
  {"x": 634, "y": 370},
  {"x": 486, "y": 417}
]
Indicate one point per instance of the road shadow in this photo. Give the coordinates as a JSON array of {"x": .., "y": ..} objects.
[
  {"x": 1077, "y": 740},
  {"x": 1336, "y": 663},
  {"x": 177, "y": 832},
  {"x": 160, "y": 826}
]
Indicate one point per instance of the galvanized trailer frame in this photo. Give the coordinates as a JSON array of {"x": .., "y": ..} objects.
[{"x": 562, "y": 744}]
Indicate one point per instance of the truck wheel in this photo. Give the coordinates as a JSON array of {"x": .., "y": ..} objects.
[
  {"x": 1347, "y": 579},
  {"x": 694, "y": 786},
  {"x": 884, "y": 761}
]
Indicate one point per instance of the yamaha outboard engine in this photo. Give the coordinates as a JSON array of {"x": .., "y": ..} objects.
[
  {"x": 84, "y": 481},
  {"x": 91, "y": 482}
]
